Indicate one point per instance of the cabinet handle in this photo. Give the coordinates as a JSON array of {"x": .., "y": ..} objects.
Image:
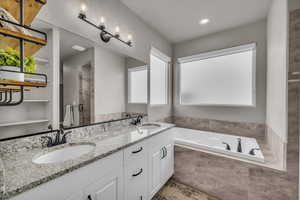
[
  {"x": 141, "y": 171},
  {"x": 137, "y": 151},
  {"x": 90, "y": 197},
  {"x": 163, "y": 150},
  {"x": 141, "y": 198}
]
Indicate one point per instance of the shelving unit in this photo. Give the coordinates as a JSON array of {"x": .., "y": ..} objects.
[
  {"x": 24, "y": 122},
  {"x": 34, "y": 112},
  {"x": 31, "y": 9},
  {"x": 18, "y": 38}
]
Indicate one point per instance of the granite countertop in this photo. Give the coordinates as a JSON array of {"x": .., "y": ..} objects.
[{"x": 20, "y": 174}]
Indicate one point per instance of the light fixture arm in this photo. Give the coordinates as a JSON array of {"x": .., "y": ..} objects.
[{"x": 104, "y": 34}]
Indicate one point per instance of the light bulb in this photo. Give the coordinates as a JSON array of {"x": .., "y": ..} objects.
[
  {"x": 102, "y": 23},
  {"x": 129, "y": 37},
  {"x": 117, "y": 30},
  {"x": 83, "y": 8},
  {"x": 102, "y": 20},
  {"x": 204, "y": 21}
]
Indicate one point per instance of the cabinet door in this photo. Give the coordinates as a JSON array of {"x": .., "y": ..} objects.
[
  {"x": 108, "y": 188},
  {"x": 167, "y": 163},
  {"x": 154, "y": 171},
  {"x": 77, "y": 196}
]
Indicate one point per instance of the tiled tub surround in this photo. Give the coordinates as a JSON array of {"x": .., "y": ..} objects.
[
  {"x": 254, "y": 130},
  {"x": 22, "y": 174}
]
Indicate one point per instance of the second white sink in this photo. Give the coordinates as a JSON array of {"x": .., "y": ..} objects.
[
  {"x": 149, "y": 126},
  {"x": 67, "y": 153}
]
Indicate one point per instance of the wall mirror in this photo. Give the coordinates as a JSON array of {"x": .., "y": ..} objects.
[
  {"x": 97, "y": 84},
  {"x": 88, "y": 83}
]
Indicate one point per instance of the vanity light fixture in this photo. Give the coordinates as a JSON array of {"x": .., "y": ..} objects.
[{"x": 105, "y": 35}]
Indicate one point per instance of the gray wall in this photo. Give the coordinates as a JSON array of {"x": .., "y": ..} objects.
[{"x": 255, "y": 32}]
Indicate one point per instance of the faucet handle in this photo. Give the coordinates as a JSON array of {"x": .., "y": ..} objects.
[
  {"x": 252, "y": 151},
  {"x": 63, "y": 138},
  {"x": 48, "y": 139}
]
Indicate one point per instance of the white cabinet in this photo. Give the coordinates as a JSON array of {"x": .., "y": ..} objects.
[
  {"x": 161, "y": 162},
  {"x": 108, "y": 187}
]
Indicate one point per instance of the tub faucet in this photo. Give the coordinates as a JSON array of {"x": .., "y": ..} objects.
[
  {"x": 227, "y": 146},
  {"x": 239, "y": 147}
]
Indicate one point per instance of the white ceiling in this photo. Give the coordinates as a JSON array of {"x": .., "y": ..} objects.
[
  {"x": 68, "y": 39},
  {"x": 178, "y": 20}
]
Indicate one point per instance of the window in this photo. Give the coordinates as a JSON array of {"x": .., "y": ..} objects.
[
  {"x": 158, "y": 78},
  {"x": 137, "y": 85},
  {"x": 224, "y": 77}
]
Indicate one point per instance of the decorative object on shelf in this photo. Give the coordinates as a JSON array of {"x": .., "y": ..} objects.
[
  {"x": 10, "y": 60},
  {"x": 14, "y": 33},
  {"x": 105, "y": 35}
]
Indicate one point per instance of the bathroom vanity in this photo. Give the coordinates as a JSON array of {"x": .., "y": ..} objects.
[{"x": 129, "y": 164}]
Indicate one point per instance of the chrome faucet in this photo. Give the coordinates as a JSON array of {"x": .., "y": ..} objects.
[
  {"x": 60, "y": 138},
  {"x": 239, "y": 147}
]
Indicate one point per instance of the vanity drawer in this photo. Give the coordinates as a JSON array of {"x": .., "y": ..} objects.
[
  {"x": 135, "y": 187},
  {"x": 136, "y": 153}
]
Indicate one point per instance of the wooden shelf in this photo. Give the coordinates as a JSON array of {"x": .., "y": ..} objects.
[
  {"x": 27, "y": 122},
  {"x": 13, "y": 88},
  {"x": 31, "y": 9},
  {"x": 20, "y": 83},
  {"x": 36, "y": 101},
  {"x": 30, "y": 48}
]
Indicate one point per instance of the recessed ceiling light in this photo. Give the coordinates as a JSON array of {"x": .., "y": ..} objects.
[
  {"x": 78, "y": 48},
  {"x": 204, "y": 21}
]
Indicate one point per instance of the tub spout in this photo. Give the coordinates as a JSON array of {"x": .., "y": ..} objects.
[
  {"x": 239, "y": 147},
  {"x": 227, "y": 146}
]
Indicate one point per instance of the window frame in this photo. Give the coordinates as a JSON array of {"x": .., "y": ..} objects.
[
  {"x": 134, "y": 69},
  {"x": 217, "y": 53},
  {"x": 158, "y": 54}
]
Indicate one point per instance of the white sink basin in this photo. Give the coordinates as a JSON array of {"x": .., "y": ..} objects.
[
  {"x": 67, "y": 153},
  {"x": 149, "y": 126}
]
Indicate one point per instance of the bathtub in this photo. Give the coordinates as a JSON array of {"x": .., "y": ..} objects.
[{"x": 210, "y": 141}]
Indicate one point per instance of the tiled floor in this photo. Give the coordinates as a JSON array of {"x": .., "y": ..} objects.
[{"x": 177, "y": 191}]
